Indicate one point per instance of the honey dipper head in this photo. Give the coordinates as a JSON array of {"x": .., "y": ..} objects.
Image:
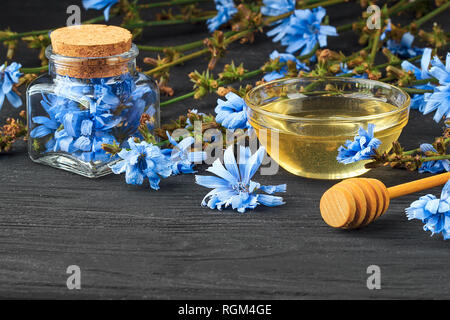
[{"x": 354, "y": 203}]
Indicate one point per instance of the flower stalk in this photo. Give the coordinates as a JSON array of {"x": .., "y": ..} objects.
[
  {"x": 169, "y": 3},
  {"x": 432, "y": 14}
]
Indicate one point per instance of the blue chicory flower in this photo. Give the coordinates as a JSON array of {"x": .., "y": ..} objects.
[
  {"x": 434, "y": 212},
  {"x": 181, "y": 158},
  {"x": 345, "y": 70},
  {"x": 283, "y": 58},
  {"x": 277, "y": 7},
  {"x": 84, "y": 115},
  {"x": 138, "y": 100},
  {"x": 418, "y": 100},
  {"x": 433, "y": 166},
  {"x": 439, "y": 100},
  {"x": 89, "y": 134},
  {"x": 404, "y": 48},
  {"x": 92, "y": 123},
  {"x": 231, "y": 113},
  {"x": 142, "y": 160},
  {"x": 56, "y": 107},
  {"x": 9, "y": 75},
  {"x": 361, "y": 148},
  {"x": 100, "y": 4},
  {"x": 233, "y": 186},
  {"x": 225, "y": 11},
  {"x": 303, "y": 31}
]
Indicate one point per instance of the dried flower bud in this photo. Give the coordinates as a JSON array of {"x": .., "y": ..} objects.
[
  {"x": 397, "y": 148},
  {"x": 222, "y": 91}
]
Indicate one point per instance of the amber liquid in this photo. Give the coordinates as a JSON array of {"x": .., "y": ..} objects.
[{"x": 309, "y": 149}]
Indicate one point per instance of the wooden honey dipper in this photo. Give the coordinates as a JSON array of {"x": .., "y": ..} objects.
[{"x": 356, "y": 202}]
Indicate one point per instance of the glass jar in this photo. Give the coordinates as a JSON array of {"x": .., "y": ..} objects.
[{"x": 70, "y": 115}]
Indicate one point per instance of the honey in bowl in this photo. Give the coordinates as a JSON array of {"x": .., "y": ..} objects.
[{"x": 303, "y": 132}]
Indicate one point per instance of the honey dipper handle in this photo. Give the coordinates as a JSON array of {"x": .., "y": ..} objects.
[{"x": 418, "y": 185}]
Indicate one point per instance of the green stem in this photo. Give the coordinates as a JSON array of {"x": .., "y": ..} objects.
[
  {"x": 435, "y": 158},
  {"x": 165, "y": 22},
  {"x": 34, "y": 70},
  {"x": 247, "y": 75},
  {"x": 324, "y": 4},
  {"x": 302, "y": 3},
  {"x": 414, "y": 90},
  {"x": 251, "y": 74},
  {"x": 162, "y": 143},
  {"x": 392, "y": 10},
  {"x": 169, "y": 3},
  {"x": 410, "y": 152},
  {"x": 396, "y": 9},
  {"x": 182, "y": 47},
  {"x": 433, "y": 13},
  {"x": 384, "y": 65},
  {"x": 197, "y": 54},
  {"x": 178, "y": 61},
  {"x": 423, "y": 159},
  {"x": 151, "y": 48},
  {"x": 344, "y": 27},
  {"x": 387, "y": 79},
  {"x": 425, "y": 81},
  {"x": 23, "y": 34},
  {"x": 41, "y": 32},
  {"x": 180, "y": 98},
  {"x": 374, "y": 50}
]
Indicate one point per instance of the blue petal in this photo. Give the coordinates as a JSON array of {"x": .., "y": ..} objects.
[
  {"x": 218, "y": 169},
  {"x": 253, "y": 165},
  {"x": 86, "y": 127},
  {"x": 270, "y": 201},
  {"x": 197, "y": 156},
  {"x": 83, "y": 143},
  {"x": 40, "y": 131},
  {"x": 230, "y": 163},
  {"x": 14, "y": 99},
  {"x": 118, "y": 167},
  {"x": 273, "y": 189},
  {"x": 51, "y": 124},
  {"x": 133, "y": 176}
]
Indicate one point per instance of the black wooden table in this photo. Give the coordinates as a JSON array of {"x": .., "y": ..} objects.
[{"x": 133, "y": 242}]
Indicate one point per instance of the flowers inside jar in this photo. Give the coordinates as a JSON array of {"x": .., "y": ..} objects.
[{"x": 93, "y": 95}]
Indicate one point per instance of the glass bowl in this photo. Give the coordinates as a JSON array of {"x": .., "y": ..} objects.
[{"x": 303, "y": 121}]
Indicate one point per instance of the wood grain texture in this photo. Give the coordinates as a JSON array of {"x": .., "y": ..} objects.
[{"x": 132, "y": 242}]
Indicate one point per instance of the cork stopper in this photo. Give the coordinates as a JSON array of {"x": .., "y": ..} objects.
[{"x": 95, "y": 43}]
